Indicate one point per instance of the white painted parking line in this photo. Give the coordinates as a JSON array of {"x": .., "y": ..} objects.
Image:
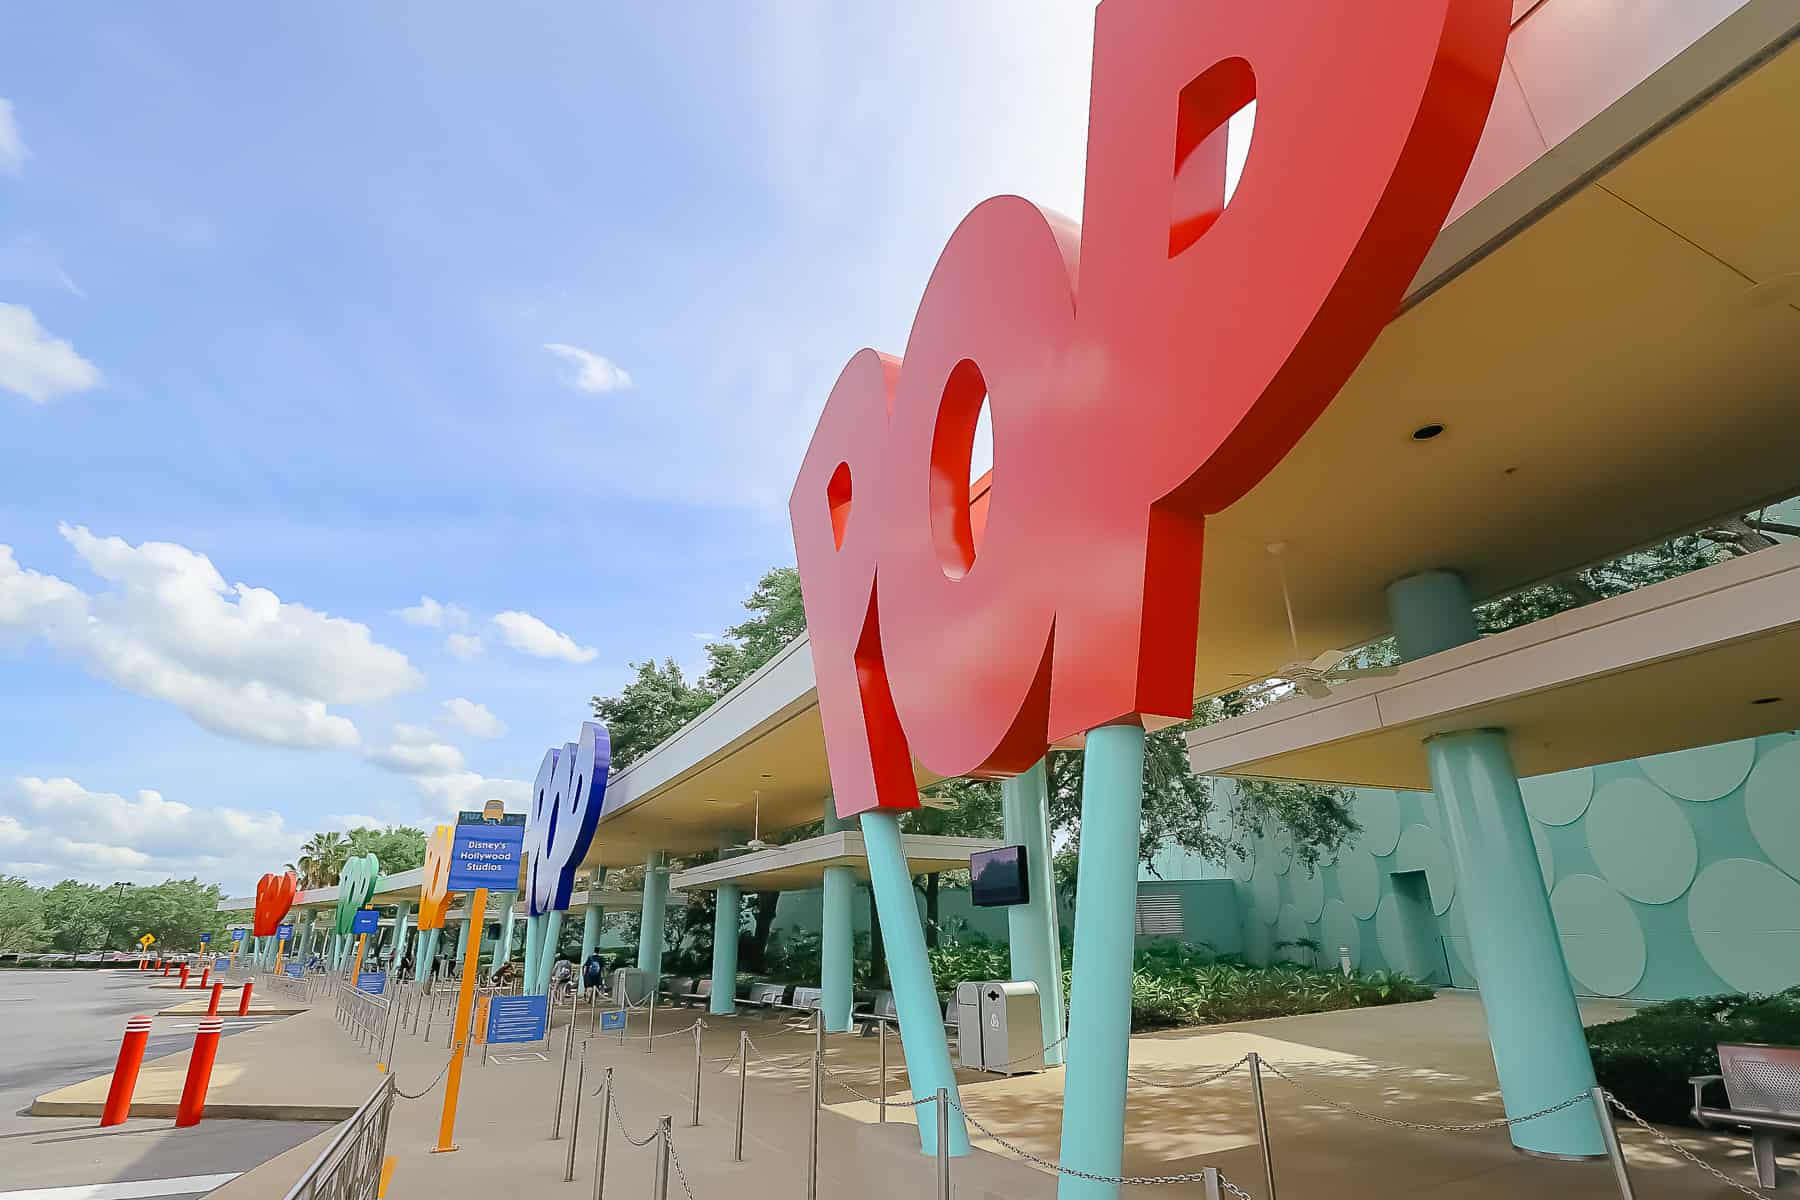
[{"x": 133, "y": 1190}]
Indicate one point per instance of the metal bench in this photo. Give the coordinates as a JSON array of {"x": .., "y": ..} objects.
[
  {"x": 1762, "y": 1087},
  {"x": 881, "y": 1009},
  {"x": 767, "y": 996},
  {"x": 699, "y": 994}
]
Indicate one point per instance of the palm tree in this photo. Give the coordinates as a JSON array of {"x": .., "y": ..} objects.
[{"x": 321, "y": 858}]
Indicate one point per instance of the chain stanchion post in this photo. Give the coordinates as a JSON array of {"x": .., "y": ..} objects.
[
  {"x": 575, "y": 1117},
  {"x": 737, "y": 1152},
  {"x": 1262, "y": 1120},
  {"x": 1614, "y": 1152},
  {"x": 600, "y": 1146},
  {"x": 562, "y": 1080},
  {"x": 943, "y": 1143},
  {"x": 662, "y": 1158},
  {"x": 696, "y": 1119},
  {"x": 819, "y": 1030},
  {"x": 650, "y": 1032},
  {"x": 1209, "y": 1183},
  {"x": 881, "y": 1038},
  {"x": 812, "y": 1136}
]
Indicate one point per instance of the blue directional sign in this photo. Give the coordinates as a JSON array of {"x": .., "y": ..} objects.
[
  {"x": 612, "y": 1022},
  {"x": 294, "y": 971},
  {"x": 367, "y": 920},
  {"x": 373, "y": 982},
  {"x": 518, "y": 1019},
  {"x": 205, "y": 938},
  {"x": 484, "y": 855},
  {"x": 237, "y": 935},
  {"x": 285, "y": 932}
]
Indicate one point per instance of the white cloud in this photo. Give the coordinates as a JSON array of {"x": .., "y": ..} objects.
[
  {"x": 593, "y": 372},
  {"x": 469, "y": 790},
  {"x": 528, "y": 635},
  {"x": 473, "y": 719},
  {"x": 417, "y": 758},
  {"x": 35, "y": 365},
  {"x": 463, "y": 645},
  {"x": 432, "y": 615},
  {"x": 238, "y": 660},
  {"x": 348, "y": 821},
  {"x": 53, "y": 829},
  {"x": 12, "y": 146}
]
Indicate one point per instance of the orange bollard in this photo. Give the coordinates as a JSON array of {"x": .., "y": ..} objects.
[
  {"x": 244, "y": 1000},
  {"x": 205, "y": 974},
  {"x": 164, "y": 966},
  {"x": 125, "y": 1073},
  {"x": 184, "y": 975},
  {"x": 200, "y": 1065},
  {"x": 212, "y": 1009}
]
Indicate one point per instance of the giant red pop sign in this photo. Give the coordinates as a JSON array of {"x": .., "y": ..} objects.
[
  {"x": 274, "y": 896},
  {"x": 1143, "y": 371}
]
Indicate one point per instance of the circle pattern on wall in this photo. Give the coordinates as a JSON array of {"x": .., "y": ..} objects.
[
  {"x": 1746, "y": 920},
  {"x": 1378, "y": 810},
  {"x": 1421, "y": 849},
  {"x": 1290, "y": 928},
  {"x": 1560, "y": 798},
  {"x": 1703, "y": 773},
  {"x": 1601, "y": 938},
  {"x": 1464, "y": 960},
  {"x": 1641, "y": 841},
  {"x": 1337, "y": 927},
  {"x": 1397, "y": 949},
  {"x": 1242, "y": 869},
  {"x": 1265, "y": 893},
  {"x": 1360, "y": 882},
  {"x": 1308, "y": 891},
  {"x": 1540, "y": 841},
  {"x": 1257, "y": 940},
  {"x": 1279, "y": 844},
  {"x": 1773, "y": 808}
]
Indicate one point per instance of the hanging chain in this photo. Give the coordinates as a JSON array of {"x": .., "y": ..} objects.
[
  {"x": 1192, "y": 1083},
  {"x": 680, "y": 1174},
  {"x": 1429, "y": 1127},
  {"x": 445, "y": 1070},
  {"x": 619, "y": 1120},
  {"x": 1072, "y": 1172},
  {"x": 1683, "y": 1151},
  {"x": 851, "y": 1088}
]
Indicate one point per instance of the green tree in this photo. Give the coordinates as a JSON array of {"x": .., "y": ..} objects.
[
  {"x": 21, "y": 916},
  {"x": 777, "y": 618},
  {"x": 649, "y": 709},
  {"x": 398, "y": 847},
  {"x": 953, "y": 808},
  {"x": 321, "y": 858},
  {"x": 78, "y": 916}
]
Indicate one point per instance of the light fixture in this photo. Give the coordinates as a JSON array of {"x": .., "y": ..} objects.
[
  {"x": 1425, "y": 433},
  {"x": 1767, "y": 700}
]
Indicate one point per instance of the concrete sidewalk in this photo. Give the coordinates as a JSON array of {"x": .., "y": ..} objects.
[{"x": 1425, "y": 1063}]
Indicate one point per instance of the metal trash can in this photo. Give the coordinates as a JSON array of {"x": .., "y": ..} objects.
[
  {"x": 1012, "y": 1028},
  {"x": 969, "y": 1037}
]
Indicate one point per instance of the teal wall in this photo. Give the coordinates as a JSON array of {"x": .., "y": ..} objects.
[{"x": 1669, "y": 876}]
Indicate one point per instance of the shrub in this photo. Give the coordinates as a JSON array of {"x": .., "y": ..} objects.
[{"x": 1647, "y": 1058}]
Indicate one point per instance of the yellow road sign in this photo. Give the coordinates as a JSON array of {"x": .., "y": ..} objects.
[{"x": 149, "y": 939}]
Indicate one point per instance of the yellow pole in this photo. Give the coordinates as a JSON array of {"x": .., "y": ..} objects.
[
  {"x": 280, "y": 949},
  {"x": 362, "y": 939},
  {"x": 465, "y": 1000}
]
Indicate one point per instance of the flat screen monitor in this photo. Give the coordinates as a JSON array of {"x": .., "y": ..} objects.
[{"x": 997, "y": 877}]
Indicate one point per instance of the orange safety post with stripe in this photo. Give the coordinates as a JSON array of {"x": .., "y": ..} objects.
[
  {"x": 244, "y": 1000},
  {"x": 200, "y": 1065},
  {"x": 125, "y": 1072}
]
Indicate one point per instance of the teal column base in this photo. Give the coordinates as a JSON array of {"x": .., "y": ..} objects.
[
  {"x": 1033, "y": 929},
  {"x": 427, "y": 952},
  {"x": 462, "y": 943},
  {"x": 590, "y": 937},
  {"x": 534, "y": 940},
  {"x": 1534, "y": 1026},
  {"x": 549, "y": 939},
  {"x": 650, "y": 929},
  {"x": 727, "y": 917},
  {"x": 1112, "y": 802},
  {"x": 402, "y": 914},
  {"x": 503, "y": 953},
  {"x": 915, "y": 995},
  {"x": 837, "y": 949}
]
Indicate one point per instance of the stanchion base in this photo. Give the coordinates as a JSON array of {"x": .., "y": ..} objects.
[
  {"x": 1548, "y": 1156},
  {"x": 445, "y": 1149}
]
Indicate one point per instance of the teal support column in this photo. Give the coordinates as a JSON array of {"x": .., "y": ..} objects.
[
  {"x": 548, "y": 941},
  {"x": 837, "y": 948},
  {"x": 534, "y": 942},
  {"x": 1534, "y": 1027},
  {"x": 402, "y": 914},
  {"x": 915, "y": 996},
  {"x": 462, "y": 943},
  {"x": 1112, "y": 802},
  {"x": 428, "y": 944},
  {"x": 727, "y": 917},
  {"x": 590, "y": 938},
  {"x": 504, "y": 952},
  {"x": 1033, "y": 929},
  {"x": 656, "y": 901}
]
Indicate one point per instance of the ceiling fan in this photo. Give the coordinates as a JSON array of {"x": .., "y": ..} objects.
[
  {"x": 1310, "y": 677},
  {"x": 755, "y": 843}
]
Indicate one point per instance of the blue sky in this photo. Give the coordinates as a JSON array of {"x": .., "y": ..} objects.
[{"x": 310, "y": 312}]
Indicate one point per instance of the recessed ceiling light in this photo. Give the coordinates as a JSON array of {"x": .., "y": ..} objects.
[
  {"x": 1425, "y": 433},
  {"x": 1767, "y": 700},
  {"x": 767, "y": 775}
]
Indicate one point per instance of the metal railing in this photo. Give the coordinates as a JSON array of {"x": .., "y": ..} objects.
[{"x": 350, "y": 1166}]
